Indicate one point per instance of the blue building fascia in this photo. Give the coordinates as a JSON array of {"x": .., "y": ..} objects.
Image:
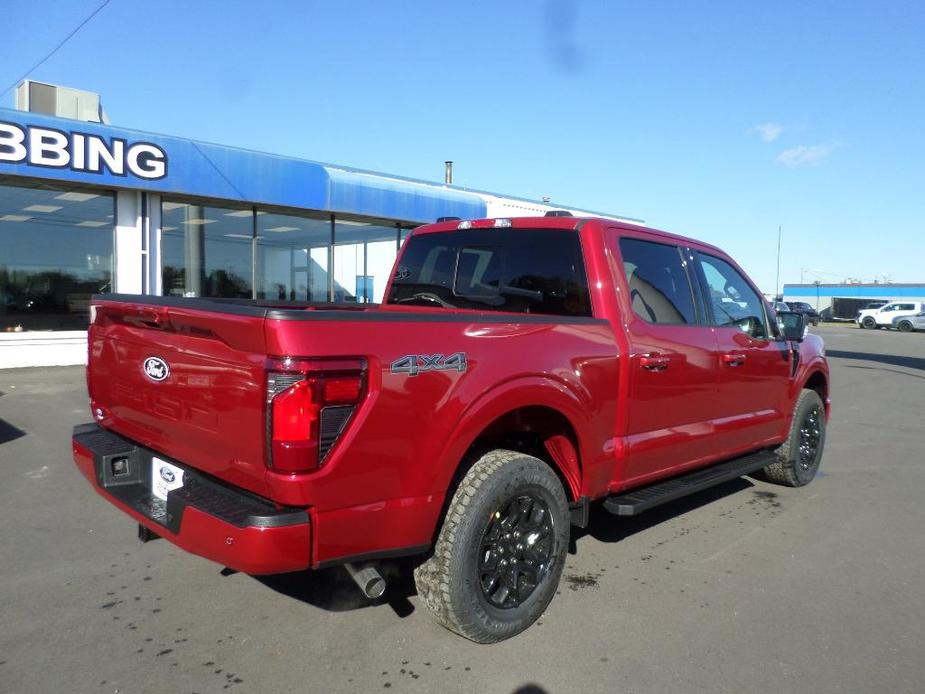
[
  {"x": 201, "y": 169},
  {"x": 861, "y": 291}
]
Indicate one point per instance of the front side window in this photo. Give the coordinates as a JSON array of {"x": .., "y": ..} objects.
[
  {"x": 658, "y": 283},
  {"x": 523, "y": 271},
  {"x": 56, "y": 251},
  {"x": 731, "y": 297}
]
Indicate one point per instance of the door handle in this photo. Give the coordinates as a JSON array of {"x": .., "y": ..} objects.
[
  {"x": 146, "y": 319},
  {"x": 734, "y": 359},
  {"x": 653, "y": 361}
]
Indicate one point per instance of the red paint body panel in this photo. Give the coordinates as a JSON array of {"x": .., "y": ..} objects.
[{"x": 383, "y": 485}]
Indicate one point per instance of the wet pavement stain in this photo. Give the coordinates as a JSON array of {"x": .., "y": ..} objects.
[
  {"x": 765, "y": 500},
  {"x": 580, "y": 581}
]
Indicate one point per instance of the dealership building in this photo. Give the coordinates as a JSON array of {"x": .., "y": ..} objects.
[
  {"x": 843, "y": 301},
  {"x": 87, "y": 208}
]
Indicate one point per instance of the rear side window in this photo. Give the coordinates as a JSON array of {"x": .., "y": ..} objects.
[
  {"x": 659, "y": 288},
  {"x": 524, "y": 271}
]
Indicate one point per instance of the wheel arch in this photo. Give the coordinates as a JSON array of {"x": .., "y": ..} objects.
[
  {"x": 819, "y": 382},
  {"x": 536, "y": 416}
]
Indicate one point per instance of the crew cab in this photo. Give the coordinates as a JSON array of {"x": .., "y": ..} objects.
[
  {"x": 885, "y": 316},
  {"x": 518, "y": 371}
]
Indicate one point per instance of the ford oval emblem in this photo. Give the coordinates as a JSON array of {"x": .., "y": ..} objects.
[
  {"x": 156, "y": 369},
  {"x": 167, "y": 475}
]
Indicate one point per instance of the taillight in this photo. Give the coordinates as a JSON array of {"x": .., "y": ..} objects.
[{"x": 309, "y": 403}]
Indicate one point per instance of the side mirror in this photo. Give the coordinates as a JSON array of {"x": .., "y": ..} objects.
[{"x": 792, "y": 325}]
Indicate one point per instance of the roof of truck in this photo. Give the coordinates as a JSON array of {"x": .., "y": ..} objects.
[{"x": 568, "y": 223}]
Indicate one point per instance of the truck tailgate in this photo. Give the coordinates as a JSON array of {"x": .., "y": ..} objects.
[{"x": 185, "y": 382}]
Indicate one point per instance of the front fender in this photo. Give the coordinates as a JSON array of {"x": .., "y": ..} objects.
[{"x": 812, "y": 366}]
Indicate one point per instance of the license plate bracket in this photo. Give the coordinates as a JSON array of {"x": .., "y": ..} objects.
[{"x": 165, "y": 478}]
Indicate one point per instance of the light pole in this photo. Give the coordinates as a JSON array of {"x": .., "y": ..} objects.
[{"x": 777, "y": 279}]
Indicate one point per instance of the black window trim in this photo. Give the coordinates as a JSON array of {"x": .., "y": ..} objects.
[{"x": 690, "y": 264}]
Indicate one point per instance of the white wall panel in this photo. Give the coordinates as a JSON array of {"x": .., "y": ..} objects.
[{"x": 128, "y": 231}]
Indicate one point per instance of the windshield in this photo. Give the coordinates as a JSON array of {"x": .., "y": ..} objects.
[{"x": 523, "y": 270}]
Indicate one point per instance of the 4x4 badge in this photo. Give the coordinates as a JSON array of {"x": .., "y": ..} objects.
[{"x": 414, "y": 364}]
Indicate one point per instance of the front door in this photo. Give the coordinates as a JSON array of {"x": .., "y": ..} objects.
[
  {"x": 754, "y": 367},
  {"x": 673, "y": 371}
]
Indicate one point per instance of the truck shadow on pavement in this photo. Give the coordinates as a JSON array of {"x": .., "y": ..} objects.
[
  {"x": 8, "y": 432},
  {"x": 333, "y": 589},
  {"x": 606, "y": 527},
  {"x": 891, "y": 359}
]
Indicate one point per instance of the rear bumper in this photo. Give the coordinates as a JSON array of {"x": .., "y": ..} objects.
[{"x": 204, "y": 516}]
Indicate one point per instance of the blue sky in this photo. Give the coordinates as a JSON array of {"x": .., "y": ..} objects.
[{"x": 718, "y": 120}]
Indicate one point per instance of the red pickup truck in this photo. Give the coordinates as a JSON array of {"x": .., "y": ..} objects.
[{"x": 518, "y": 371}]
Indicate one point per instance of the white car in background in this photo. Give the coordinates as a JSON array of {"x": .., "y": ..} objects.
[
  {"x": 906, "y": 324},
  {"x": 885, "y": 316}
]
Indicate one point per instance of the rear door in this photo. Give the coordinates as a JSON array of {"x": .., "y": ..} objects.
[
  {"x": 673, "y": 370},
  {"x": 753, "y": 366}
]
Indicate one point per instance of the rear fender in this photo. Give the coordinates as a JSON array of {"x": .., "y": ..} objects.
[{"x": 513, "y": 395}]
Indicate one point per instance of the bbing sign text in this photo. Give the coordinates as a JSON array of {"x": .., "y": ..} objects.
[{"x": 83, "y": 152}]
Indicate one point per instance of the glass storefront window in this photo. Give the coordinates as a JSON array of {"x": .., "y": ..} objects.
[
  {"x": 57, "y": 251},
  {"x": 292, "y": 257},
  {"x": 363, "y": 258},
  {"x": 205, "y": 250}
]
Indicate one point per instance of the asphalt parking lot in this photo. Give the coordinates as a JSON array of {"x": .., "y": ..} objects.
[{"x": 747, "y": 587}]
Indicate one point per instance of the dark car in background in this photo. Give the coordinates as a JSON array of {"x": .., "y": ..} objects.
[{"x": 809, "y": 313}]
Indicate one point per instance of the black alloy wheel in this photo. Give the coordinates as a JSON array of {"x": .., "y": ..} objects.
[
  {"x": 904, "y": 326},
  {"x": 501, "y": 548},
  {"x": 799, "y": 457},
  {"x": 810, "y": 438},
  {"x": 516, "y": 551}
]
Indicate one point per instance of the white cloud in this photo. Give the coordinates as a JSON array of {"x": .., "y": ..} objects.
[
  {"x": 768, "y": 131},
  {"x": 805, "y": 155}
]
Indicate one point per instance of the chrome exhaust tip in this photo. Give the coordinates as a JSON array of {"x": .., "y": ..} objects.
[{"x": 367, "y": 578}]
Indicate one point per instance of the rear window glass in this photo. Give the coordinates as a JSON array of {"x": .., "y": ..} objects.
[{"x": 522, "y": 270}]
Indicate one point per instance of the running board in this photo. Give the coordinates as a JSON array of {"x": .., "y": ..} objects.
[{"x": 642, "y": 499}]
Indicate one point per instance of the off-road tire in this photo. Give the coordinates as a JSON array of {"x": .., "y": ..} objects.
[
  {"x": 448, "y": 581},
  {"x": 868, "y": 323},
  {"x": 788, "y": 469}
]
